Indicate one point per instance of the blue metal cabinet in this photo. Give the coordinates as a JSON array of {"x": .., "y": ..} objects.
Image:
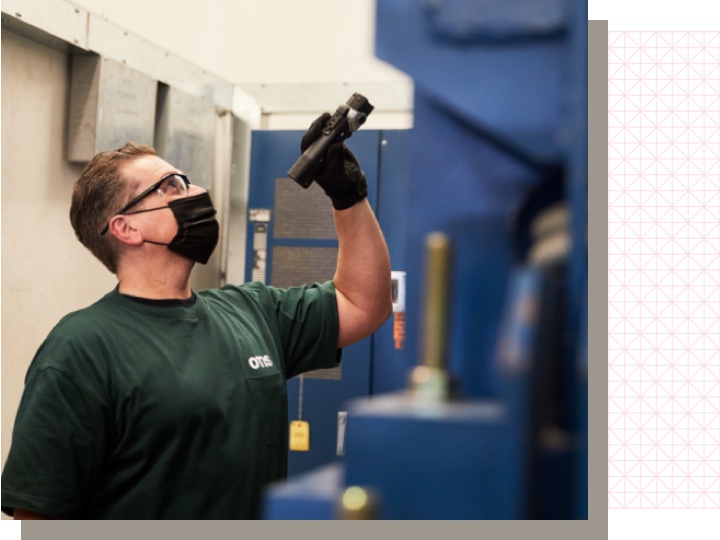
[{"x": 391, "y": 365}]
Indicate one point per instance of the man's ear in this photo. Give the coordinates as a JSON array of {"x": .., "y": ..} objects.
[{"x": 121, "y": 229}]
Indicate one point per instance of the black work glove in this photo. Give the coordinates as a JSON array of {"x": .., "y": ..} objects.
[{"x": 340, "y": 177}]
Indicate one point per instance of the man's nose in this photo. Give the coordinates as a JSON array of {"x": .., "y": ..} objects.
[{"x": 195, "y": 190}]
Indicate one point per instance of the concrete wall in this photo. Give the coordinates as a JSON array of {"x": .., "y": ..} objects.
[
  {"x": 260, "y": 41},
  {"x": 46, "y": 272}
]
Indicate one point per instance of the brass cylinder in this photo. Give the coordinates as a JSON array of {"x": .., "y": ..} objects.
[{"x": 437, "y": 292}]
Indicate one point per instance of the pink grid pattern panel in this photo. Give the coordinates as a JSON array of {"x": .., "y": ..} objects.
[{"x": 664, "y": 270}]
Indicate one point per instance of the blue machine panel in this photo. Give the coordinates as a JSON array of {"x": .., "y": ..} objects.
[
  {"x": 313, "y": 495},
  {"x": 468, "y": 188},
  {"x": 446, "y": 461},
  {"x": 504, "y": 80},
  {"x": 390, "y": 366},
  {"x": 528, "y": 359}
]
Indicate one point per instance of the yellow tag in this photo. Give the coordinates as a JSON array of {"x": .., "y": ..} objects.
[{"x": 299, "y": 436}]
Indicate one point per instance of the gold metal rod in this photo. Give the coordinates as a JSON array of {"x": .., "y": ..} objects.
[{"x": 437, "y": 292}]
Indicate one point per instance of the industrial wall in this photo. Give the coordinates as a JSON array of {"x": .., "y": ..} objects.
[
  {"x": 261, "y": 49},
  {"x": 261, "y": 41},
  {"x": 45, "y": 271}
]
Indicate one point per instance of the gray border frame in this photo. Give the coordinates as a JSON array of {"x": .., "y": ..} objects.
[
  {"x": 594, "y": 528},
  {"x": 597, "y": 274}
]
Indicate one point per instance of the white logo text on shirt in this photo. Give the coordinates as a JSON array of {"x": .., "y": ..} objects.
[{"x": 257, "y": 362}]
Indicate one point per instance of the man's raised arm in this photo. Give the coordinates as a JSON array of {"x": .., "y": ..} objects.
[{"x": 362, "y": 278}]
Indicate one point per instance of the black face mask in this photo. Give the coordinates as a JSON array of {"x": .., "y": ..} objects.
[{"x": 198, "y": 230}]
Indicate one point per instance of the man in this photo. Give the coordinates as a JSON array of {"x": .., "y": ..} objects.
[{"x": 158, "y": 402}]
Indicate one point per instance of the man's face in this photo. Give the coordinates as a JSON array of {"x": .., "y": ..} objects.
[{"x": 143, "y": 173}]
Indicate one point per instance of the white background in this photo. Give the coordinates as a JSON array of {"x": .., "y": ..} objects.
[{"x": 658, "y": 15}]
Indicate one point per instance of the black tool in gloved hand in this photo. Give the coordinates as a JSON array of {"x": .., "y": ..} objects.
[
  {"x": 327, "y": 160},
  {"x": 340, "y": 175}
]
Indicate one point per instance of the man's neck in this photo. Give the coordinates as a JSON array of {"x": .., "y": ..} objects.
[{"x": 167, "y": 282}]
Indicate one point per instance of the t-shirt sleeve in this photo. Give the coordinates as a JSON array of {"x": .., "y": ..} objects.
[
  {"x": 309, "y": 326},
  {"x": 57, "y": 446}
]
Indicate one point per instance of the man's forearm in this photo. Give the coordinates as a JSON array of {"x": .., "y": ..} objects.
[{"x": 362, "y": 278}]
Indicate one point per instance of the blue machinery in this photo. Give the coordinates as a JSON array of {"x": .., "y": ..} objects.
[{"x": 496, "y": 161}]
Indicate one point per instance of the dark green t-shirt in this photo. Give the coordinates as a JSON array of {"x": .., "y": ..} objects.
[{"x": 133, "y": 411}]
